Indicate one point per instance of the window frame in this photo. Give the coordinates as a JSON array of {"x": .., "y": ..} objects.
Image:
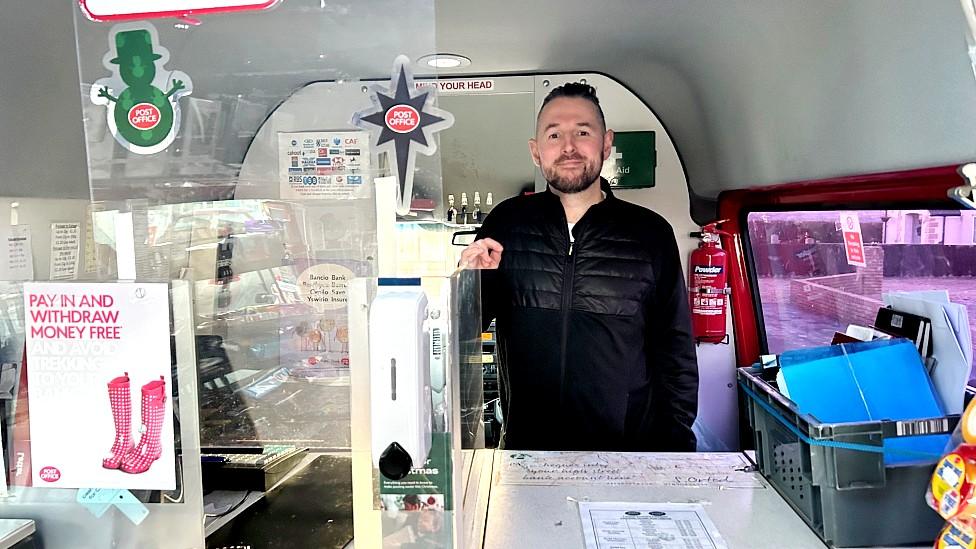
[{"x": 925, "y": 188}]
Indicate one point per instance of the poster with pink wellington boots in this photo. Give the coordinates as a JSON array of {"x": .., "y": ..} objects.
[{"x": 99, "y": 386}]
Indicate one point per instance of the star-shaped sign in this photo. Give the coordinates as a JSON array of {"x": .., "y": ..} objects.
[{"x": 402, "y": 124}]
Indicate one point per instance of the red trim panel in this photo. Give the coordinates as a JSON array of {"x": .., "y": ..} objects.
[
  {"x": 256, "y": 5},
  {"x": 892, "y": 190}
]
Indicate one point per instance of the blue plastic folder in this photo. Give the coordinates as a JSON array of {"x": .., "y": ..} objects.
[{"x": 876, "y": 380}]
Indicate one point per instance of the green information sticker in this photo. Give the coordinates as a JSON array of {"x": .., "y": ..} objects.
[{"x": 429, "y": 483}]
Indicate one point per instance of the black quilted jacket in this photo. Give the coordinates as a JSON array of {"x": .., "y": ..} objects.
[{"x": 594, "y": 339}]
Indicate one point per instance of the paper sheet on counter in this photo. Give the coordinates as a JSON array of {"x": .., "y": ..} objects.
[
  {"x": 712, "y": 470},
  {"x": 633, "y": 525}
]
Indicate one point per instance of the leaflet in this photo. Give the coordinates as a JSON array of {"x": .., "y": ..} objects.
[
  {"x": 19, "y": 263},
  {"x": 65, "y": 244},
  {"x": 635, "y": 525}
]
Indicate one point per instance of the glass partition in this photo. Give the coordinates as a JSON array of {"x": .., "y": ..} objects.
[
  {"x": 424, "y": 506},
  {"x": 269, "y": 316},
  {"x": 224, "y": 151},
  {"x": 234, "y": 83},
  {"x": 232, "y": 161}
]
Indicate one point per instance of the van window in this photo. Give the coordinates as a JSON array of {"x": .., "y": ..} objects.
[{"x": 808, "y": 289}]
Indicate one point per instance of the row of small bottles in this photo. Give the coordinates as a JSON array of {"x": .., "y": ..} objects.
[{"x": 465, "y": 217}]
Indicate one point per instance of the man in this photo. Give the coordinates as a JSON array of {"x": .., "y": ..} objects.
[{"x": 594, "y": 336}]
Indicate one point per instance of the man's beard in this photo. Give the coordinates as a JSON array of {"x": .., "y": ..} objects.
[{"x": 573, "y": 183}]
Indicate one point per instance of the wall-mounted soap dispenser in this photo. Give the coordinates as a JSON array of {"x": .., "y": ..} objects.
[{"x": 400, "y": 395}]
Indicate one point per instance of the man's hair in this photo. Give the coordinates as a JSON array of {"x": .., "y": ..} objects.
[{"x": 575, "y": 89}]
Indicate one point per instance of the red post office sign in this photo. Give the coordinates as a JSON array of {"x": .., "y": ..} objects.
[{"x": 402, "y": 118}]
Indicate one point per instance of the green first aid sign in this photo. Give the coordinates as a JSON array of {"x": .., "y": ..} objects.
[{"x": 632, "y": 160}]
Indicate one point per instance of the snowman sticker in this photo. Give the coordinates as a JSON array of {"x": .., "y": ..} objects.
[{"x": 141, "y": 115}]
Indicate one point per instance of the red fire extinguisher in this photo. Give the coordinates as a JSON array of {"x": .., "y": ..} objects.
[{"x": 707, "y": 287}]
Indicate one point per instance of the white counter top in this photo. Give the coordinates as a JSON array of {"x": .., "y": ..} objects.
[{"x": 543, "y": 516}]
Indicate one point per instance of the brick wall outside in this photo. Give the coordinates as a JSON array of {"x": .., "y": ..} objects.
[
  {"x": 850, "y": 298},
  {"x": 872, "y": 274}
]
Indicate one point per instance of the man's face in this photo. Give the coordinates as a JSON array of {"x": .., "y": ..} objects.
[{"x": 570, "y": 144}]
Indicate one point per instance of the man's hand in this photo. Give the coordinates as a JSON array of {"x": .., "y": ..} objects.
[{"x": 482, "y": 254}]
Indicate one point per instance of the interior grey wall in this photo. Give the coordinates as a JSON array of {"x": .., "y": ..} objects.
[
  {"x": 487, "y": 148},
  {"x": 42, "y": 145},
  {"x": 757, "y": 92},
  {"x": 753, "y": 93},
  {"x": 821, "y": 89}
]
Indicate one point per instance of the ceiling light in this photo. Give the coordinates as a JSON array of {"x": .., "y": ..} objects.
[{"x": 444, "y": 61}]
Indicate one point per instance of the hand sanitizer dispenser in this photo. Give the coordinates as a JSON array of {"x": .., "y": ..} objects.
[{"x": 400, "y": 399}]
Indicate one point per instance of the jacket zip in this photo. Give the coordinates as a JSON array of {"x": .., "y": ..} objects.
[
  {"x": 569, "y": 272},
  {"x": 567, "y": 301}
]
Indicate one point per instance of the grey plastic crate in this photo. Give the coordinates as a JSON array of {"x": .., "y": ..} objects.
[{"x": 848, "y": 497}]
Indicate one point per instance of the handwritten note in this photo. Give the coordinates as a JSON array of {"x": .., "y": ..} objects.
[
  {"x": 90, "y": 263},
  {"x": 718, "y": 470},
  {"x": 65, "y": 242},
  {"x": 19, "y": 262}
]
